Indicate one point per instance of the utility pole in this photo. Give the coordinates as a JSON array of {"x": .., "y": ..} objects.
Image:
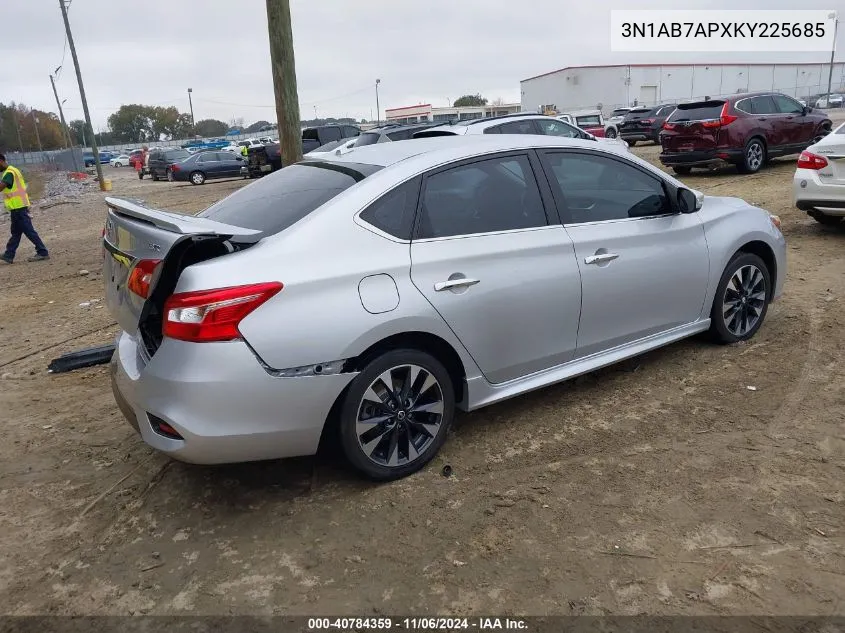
[
  {"x": 37, "y": 135},
  {"x": 18, "y": 130},
  {"x": 191, "y": 103},
  {"x": 283, "y": 66},
  {"x": 832, "y": 52},
  {"x": 88, "y": 125}
]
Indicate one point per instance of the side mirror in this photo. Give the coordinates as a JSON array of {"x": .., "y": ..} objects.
[
  {"x": 807, "y": 110},
  {"x": 689, "y": 201}
]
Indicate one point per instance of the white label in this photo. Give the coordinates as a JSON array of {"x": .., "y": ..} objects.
[{"x": 722, "y": 31}]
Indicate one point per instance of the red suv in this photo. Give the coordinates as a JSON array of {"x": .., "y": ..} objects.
[{"x": 743, "y": 129}]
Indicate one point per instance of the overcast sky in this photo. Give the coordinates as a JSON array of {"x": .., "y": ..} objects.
[{"x": 427, "y": 51}]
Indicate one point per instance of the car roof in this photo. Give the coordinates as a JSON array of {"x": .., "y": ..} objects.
[
  {"x": 446, "y": 148},
  {"x": 462, "y": 127}
]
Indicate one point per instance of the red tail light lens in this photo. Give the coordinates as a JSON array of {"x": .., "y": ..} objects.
[
  {"x": 213, "y": 315},
  {"x": 141, "y": 277},
  {"x": 725, "y": 118},
  {"x": 175, "y": 167},
  {"x": 668, "y": 126},
  {"x": 808, "y": 160}
]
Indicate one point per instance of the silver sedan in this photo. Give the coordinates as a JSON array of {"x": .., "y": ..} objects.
[{"x": 372, "y": 294}]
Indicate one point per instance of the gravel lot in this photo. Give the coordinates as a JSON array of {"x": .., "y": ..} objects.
[{"x": 660, "y": 486}]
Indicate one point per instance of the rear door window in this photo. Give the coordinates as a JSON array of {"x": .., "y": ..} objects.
[
  {"x": 518, "y": 127},
  {"x": 280, "y": 199},
  {"x": 497, "y": 194},
  {"x": 763, "y": 105}
]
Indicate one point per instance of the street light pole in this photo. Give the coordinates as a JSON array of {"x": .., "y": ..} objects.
[
  {"x": 191, "y": 103},
  {"x": 68, "y": 144},
  {"x": 72, "y": 47},
  {"x": 832, "y": 51},
  {"x": 378, "y": 109}
]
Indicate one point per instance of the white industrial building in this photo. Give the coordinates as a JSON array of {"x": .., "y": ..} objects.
[
  {"x": 608, "y": 87},
  {"x": 425, "y": 112}
]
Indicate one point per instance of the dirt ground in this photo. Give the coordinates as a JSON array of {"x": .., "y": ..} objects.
[{"x": 665, "y": 485}]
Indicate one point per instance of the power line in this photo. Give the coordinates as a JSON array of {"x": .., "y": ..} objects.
[{"x": 303, "y": 103}]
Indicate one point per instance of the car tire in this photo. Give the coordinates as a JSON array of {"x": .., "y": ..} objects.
[
  {"x": 154, "y": 176},
  {"x": 631, "y": 143},
  {"x": 197, "y": 178},
  {"x": 738, "y": 299},
  {"x": 419, "y": 417},
  {"x": 753, "y": 156},
  {"x": 610, "y": 133},
  {"x": 140, "y": 175},
  {"x": 823, "y": 218},
  {"x": 820, "y": 134},
  {"x": 682, "y": 170}
]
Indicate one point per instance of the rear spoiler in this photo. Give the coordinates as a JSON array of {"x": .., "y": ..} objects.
[{"x": 178, "y": 223}]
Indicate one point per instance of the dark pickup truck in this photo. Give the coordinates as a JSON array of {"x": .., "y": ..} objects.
[{"x": 263, "y": 160}]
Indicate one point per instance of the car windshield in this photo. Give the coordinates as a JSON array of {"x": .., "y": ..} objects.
[
  {"x": 699, "y": 111},
  {"x": 368, "y": 138},
  {"x": 621, "y": 112},
  {"x": 279, "y": 200}
]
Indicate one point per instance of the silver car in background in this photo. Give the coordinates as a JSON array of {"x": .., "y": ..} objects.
[{"x": 374, "y": 293}]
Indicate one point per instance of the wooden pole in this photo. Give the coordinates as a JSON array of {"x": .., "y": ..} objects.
[
  {"x": 88, "y": 125},
  {"x": 284, "y": 80}
]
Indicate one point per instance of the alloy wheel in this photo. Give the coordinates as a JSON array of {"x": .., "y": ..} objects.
[
  {"x": 754, "y": 156},
  {"x": 197, "y": 178},
  {"x": 744, "y": 300},
  {"x": 400, "y": 415}
]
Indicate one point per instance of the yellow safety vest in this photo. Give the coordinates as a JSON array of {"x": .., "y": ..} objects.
[
  {"x": 16, "y": 197},
  {"x": 245, "y": 150}
]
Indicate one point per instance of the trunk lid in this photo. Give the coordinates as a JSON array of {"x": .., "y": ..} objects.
[
  {"x": 832, "y": 147},
  {"x": 693, "y": 127},
  {"x": 134, "y": 233}
]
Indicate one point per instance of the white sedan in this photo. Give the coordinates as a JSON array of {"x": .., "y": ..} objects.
[
  {"x": 819, "y": 183},
  {"x": 120, "y": 161}
]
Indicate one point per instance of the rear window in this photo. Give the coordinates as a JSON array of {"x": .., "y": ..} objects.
[
  {"x": 588, "y": 121},
  {"x": 281, "y": 199},
  {"x": 368, "y": 138},
  {"x": 699, "y": 111},
  {"x": 402, "y": 135},
  {"x": 622, "y": 112},
  {"x": 177, "y": 155}
]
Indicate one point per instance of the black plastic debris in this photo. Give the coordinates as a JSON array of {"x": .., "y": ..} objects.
[{"x": 81, "y": 358}]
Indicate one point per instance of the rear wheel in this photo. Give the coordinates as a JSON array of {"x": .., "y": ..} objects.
[
  {"x": 197, "y": 178},
  {"x": 823, "y": 218},
  {"x": 610, "y": 132},
  {"x": 742, "y": 299},
  {"x": 753, "y": 156},
  {"x": 631, "y": 143},
  {"x": 140, "y": 174},
  {"x": 396, "y": 413},
  {"x": 153, "y": 175},
  {"x": 681, "y": 170}
]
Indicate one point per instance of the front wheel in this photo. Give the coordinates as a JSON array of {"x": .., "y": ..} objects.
[
  {"x": 753, "y": 156},
  {"x": 154, "y": 175},
  {"x": 681, "y": 170},
  {"x": 631, "y": 143},
  {"x": 742, "y": 299},
  {"x": 396, "y": 414},
  {"x": 197, "y": 178}
]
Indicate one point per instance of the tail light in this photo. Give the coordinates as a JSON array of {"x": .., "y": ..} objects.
[
  {"x": 808, "y": 160},
  {"x": 669, "y": 126},
  {"x": 141, "y": 277},
  {"x": 175, "y": 167},
  {"x": 213, "y": 315}
]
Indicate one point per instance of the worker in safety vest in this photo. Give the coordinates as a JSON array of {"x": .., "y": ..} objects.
[{"x": 16, "y": 200}]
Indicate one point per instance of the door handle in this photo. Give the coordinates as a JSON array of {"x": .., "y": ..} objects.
[
  {"x": 600, "y": 259},
  {"x": 454, "y": 283}
]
